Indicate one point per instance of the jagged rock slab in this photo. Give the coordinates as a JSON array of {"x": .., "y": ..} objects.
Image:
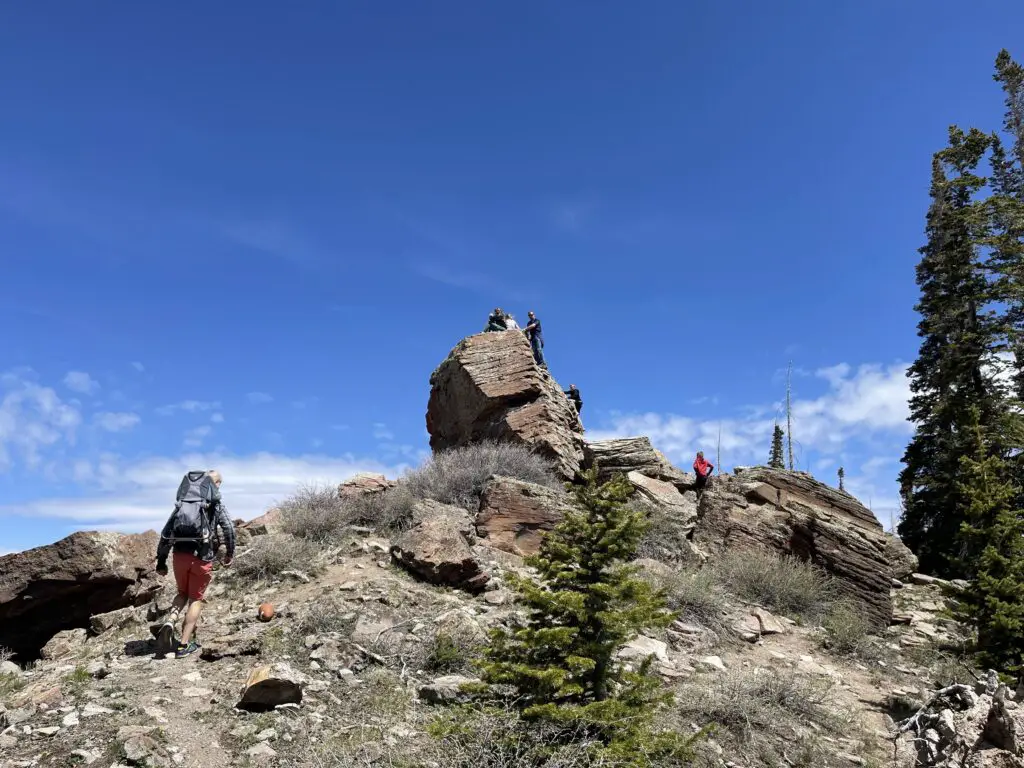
[
  {"x": 271, "y": 686},
  {"x": 793, "y": 514},
  {"x": 268, "y": 523},
  {"x": 667, "y": 499},
  {"x": 364, "y": 483},
  {"x": 633, "y": 454},
  {"x": 514, "y": 515},
  {"x": 438, "y": 547},
  {"x": 61, "y": 585},
  {"x": 489, "y": 387}
]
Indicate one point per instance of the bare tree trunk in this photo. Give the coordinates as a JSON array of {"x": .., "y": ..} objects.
[{"x": 789, "y": 413}]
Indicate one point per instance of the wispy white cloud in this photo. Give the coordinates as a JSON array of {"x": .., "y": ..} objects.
[
  {"x": 195, "y": 437},
  {"x": 217, "y": 418},
  {"x": 381, "y": 432},
  {"x": 81, "y": 382},
  {"x": 138, "y": 367},
  {"x": 134, "y": 496},
  {"x": 258, "y": 398},
  {"x": 278, "y": 239},
  {"x": 33, "y": 418},
  {"x": 116, "y": 422},
  {"x": 189, "y": 406}
]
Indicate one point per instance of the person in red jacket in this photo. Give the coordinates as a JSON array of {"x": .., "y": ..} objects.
[{"x": 703, "y": 468}]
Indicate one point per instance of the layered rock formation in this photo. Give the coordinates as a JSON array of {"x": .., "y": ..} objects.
[
  {"x": 514, "y": 515},
  {"x": 793, "y": 514},
  {"x": 489, "y": 387},
  {"x": 633, "y": 454},
  {"x": 438, "y": 548},
  {"x": 60, "y": 586}
]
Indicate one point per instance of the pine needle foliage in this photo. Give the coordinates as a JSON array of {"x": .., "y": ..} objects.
[
  {"x": 776, "y": 459},
  {"x": 994, "y": 527},
  {"x": 586, "y": 603}
]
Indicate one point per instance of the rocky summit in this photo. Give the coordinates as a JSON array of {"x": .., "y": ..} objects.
[
  {"x": 490, "y": 388},
  {"x": 801, "y": 632}
]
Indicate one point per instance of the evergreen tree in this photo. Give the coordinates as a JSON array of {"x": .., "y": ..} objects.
[
  {"x": 952, "y": 373},
  {"x": 587, "y": 603},
  {"x": 776, "y": 458},
  {"x": 994, "y": 527},
  {"x": 842, "y": 477}
]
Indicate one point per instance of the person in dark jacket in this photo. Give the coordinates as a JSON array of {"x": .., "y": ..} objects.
[
  {"x": 193, "y": 571},
  {"x": 496, "y": 321},
  {"x": 536, "y": 336},
  {"x": 574, "y": 395}
]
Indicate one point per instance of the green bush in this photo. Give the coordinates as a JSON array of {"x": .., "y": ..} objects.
[{"x": 781, "y": 584}]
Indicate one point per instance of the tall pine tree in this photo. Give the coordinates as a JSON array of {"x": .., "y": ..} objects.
[
  {"x": 994, "y": 529},
  {"x": 952, "y": 373},
  {"x": 776, "y": 457}
]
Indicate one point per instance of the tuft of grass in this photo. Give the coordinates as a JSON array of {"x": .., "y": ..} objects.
[
  {"x": 694, "y": 595},
  {"x": 753, "y": 711},
  {"x": 325, "y": 616},
  {"x": 77, "y": 681},
  {"x": 781, "y": 584},
  {"x": 847, "y": 630},
  {"x": 448, "y": 654},
  {"x": 270, "y": 555}
]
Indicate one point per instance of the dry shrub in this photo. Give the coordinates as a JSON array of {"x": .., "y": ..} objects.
[
  {"x": 665, "y": 539},
  {"x": 782, "y": 584},
  {"x": 458, "y": 476},
  {"x": 847, "y": 630},
  {"x": 758, "y": 711},
  {"x": 315, "y": 512},
  {"x": 694, "y": 594},
  {"x": 269, "y": 556},
  {"x": 327, "y": 615}
]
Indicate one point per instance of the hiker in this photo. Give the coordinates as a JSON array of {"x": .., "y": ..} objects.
[
  {"x": 703, "y": 468},
  {"x": 191, "y": 532},
  {"x": 496, "y": 321},
  {"x": 510, "y": 323},
  {"x": 535, "y": 335},
  {"x": 574, "y": 395}
]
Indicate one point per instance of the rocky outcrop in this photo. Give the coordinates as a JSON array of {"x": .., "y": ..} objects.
[
  {"x": 60, "y": 586},
  {"x": 515, "y": 515},
  {"x": 793, "y": 514},
  {"x": 962, "y": 726},
  {"x": 633, "y": 454},
  {"x": 270, "y": 522},
  {"x": 489, "y": 387},
  {"x": 364, "y": 483},
  {"x": 438, "y": 547}
]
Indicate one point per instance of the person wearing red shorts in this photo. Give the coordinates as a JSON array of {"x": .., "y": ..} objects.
[{"x": 193, "y": 570}]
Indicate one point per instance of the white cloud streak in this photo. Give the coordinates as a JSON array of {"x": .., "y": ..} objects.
[
  {"x": 188, "y": 406},
  {"x": 32, "y": 418},
  {"x": 139, "y": 495},
  {"x": 258, "y": 398},
  {"x": 116, "y": 422},
  {"x": 81, "y": 382}
]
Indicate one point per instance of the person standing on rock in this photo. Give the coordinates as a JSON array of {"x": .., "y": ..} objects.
[
  {"x": 536, "y": 336},
  {"x": 703, "y": 468},
  {"x": 510, "y": 323},
  {"x": 574, "y": 395},
  {"x": 496, "y": 321},
  {"x": 190, "y": 533}
]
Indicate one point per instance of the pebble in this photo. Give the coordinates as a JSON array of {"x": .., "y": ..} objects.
[
  {"x": 196, "y": 693},
  {"x": 86, "y": 757},
  {"x": 52, "y": 730},
  {"x": 92, "y": 710},
  {"x": 261, "y": 750},
  {"x": 70, "y": 719},
  {"x": 267, "y": 735},
  {"x": 712, "y": 662},
  {"x": 193, "y": 677}
]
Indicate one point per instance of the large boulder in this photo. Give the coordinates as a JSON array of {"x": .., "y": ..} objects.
[
  {"x": 363, "y": 484},
  {"x": 794, "y": 514},
  {"x": 438, "y": 547},
  {"x": 489, "y": 387},
  {"x": 514, "y": 515},
  {"x": 667, "y": 499},
  {"x": 633, "y": 454},
  {"x": 60, "y": 586}
]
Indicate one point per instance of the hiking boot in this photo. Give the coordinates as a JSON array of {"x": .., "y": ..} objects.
[
  {"x": 165, "y": 639},
  {"x": 187, "y": 650}
]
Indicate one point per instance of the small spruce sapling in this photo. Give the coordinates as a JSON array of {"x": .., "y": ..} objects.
[{"x": 587, "y": 603}]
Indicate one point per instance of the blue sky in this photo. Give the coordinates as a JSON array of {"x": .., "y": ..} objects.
[{"x": 243, "y": 236}]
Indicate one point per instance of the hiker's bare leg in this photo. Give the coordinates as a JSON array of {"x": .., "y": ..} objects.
[
  {"x": 176, "y": 605},
  {"x": 191, "y": 619}
]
